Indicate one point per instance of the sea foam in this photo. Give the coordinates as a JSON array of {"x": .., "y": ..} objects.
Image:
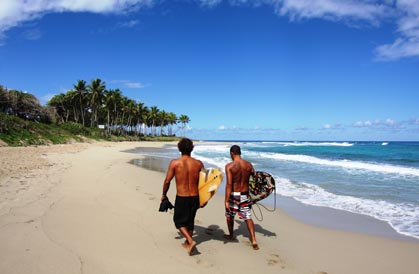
[
  {"x": 345, "y": 164},
  {"x": 403, "y": 217}
]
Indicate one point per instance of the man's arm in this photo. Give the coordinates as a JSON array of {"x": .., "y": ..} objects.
[
  {"x": 228, "y": 186},
  {"x": 252, "y": 169},
  {"x": 169, "y": 176}
]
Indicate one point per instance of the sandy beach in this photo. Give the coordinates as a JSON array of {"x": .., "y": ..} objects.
[{"x": 84, "y": 208}]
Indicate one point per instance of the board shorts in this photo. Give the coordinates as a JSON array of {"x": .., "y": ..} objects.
[
  {"x": 239, "y": 202},
  {"x": 185, "y": 211}
]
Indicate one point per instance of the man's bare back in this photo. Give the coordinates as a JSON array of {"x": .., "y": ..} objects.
[
  {"x": 186, "y": 172},
  {"x": 240, "y": 171}
]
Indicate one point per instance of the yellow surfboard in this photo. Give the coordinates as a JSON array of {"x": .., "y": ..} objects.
[{"x": 209, "y": 181}]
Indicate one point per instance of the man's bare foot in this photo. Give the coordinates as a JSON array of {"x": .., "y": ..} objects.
[
  {"x": 229, "y": 237},
  {"x": 189, "y": 247},
  {"x": 255, "y": 246}
]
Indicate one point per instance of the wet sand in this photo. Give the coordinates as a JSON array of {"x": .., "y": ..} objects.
[{"x": 85, "y": 208}]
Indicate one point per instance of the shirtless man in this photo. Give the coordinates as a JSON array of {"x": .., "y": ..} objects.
[
  {"x": 186, "y": 170},
  {"x": 237, "y": 199}
]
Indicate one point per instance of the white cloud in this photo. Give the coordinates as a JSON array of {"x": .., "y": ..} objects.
[
  {"x": 404, "y": 13},
  {"x": 407, "y": 44},
  {"x": 128, "y": 24},
  {"x": 302, "y": 128},
  {"x": 134, "y": 85},
  {"x": 333, "y": 10},
  {"x": 386, "y": 124},
  {"x": 130, "y": 84},
  {"x": 15, "y": 12},
  {"x": 210, "y": 3},
  {"x": 46, "y": 98},
  {"x": 32, "y": 34},
  {"x": 232, "y": 128},
  {"x": 362, "y": 124},
  {"x": 390, "y": 123},
  {"x": 414, "y": 121},
  {"x": 327, "y": 126}
]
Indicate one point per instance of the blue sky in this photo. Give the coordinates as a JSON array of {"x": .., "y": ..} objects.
[{"x": 253, "y": 70}]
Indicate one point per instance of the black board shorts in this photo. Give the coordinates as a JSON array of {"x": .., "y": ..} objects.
[{"x": 185, "y": 211}]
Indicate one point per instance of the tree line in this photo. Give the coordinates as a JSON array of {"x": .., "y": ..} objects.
[{"x": 93, "y": 105}]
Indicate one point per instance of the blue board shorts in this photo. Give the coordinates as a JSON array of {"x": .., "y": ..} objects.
[
  {"x": 185, "y": 211},
  {"x": 239, "y": 202}
]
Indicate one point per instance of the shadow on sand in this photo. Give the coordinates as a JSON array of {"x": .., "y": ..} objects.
[{"x": 214, "y": 232}]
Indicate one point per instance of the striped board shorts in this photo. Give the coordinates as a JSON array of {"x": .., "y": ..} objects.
[{"x": 240, "y": 203}]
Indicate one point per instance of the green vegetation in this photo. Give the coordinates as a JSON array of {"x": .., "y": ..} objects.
[{"x": 85, "y": 112}]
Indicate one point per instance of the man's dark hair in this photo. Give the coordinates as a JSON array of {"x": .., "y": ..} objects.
[
  {"x": 235, "y": 149},
  {"x": 185, "y": 146}
]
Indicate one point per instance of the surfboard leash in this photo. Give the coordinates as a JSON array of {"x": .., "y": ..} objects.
[{"x": 266, "y": 208}]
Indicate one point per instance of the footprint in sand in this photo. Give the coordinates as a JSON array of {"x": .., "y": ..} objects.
[
  {"x": 150, "y": 196},
  {"x": 204, "y": 263},
  {"x": 256, "y": 247},
  {"x": 274, "y": 260}
]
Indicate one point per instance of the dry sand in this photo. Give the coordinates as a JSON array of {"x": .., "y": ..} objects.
[{"x": 83, "y": 208}]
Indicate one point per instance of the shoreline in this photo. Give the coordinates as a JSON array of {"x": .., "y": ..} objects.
[
  {"x": 313, "y": 215},
  {"x": 84, "y": 208},
  {"x": 341, "y": 220}
]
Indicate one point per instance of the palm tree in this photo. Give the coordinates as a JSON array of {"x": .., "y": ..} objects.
[
  {"x": 117, "y": 100},
  {"x": 172, "y": 119},
  {"x": 139, "y": 114},
  {"x": 163, "y": 120},
  {"x": 144, "y": 119},
  {"x": 130, "y": 109},
  {"x": 110, "y": 107},
  {"x": 184, "y": 119},
  {"x": 96, "y": 88},
  {"x": 61, "y": 104},
  {"x": 124, "y": 110},
  {"x": 4, "y": 99},
  {"x": 80, "y": 90},
  {"x": 153, "y": 116},
  {"x": 112, "y": 100},
  {"x": 72, "y": 100}
]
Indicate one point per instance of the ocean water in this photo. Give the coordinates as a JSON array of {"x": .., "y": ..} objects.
[{"x": 378, "y": 179}]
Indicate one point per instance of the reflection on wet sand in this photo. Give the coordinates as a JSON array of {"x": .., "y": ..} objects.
[{"x": 152, "y": 163}]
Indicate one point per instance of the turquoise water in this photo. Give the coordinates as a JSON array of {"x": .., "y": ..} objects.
[{"x": 378, "y": 179}]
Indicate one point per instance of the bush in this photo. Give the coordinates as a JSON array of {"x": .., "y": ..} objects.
[
  {"x": 75, "y": 128},
  {"x": 10, "y": 123}
]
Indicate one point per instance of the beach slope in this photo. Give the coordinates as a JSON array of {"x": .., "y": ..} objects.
[{"x": 84, "y": 208}]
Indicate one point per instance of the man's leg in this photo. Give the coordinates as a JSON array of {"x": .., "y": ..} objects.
[
  {"x": 230, "y": 226},
  {"x": 251, "y": 228},
  {"x": 189, "y": 244}
]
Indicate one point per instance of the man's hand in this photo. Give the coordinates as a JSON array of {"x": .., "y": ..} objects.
[{"x": 227, "y": 206}]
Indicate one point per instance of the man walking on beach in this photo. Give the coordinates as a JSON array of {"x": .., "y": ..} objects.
[
  {"x": 186, "y": 170},
  {"x": 237, "y": 199}
]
